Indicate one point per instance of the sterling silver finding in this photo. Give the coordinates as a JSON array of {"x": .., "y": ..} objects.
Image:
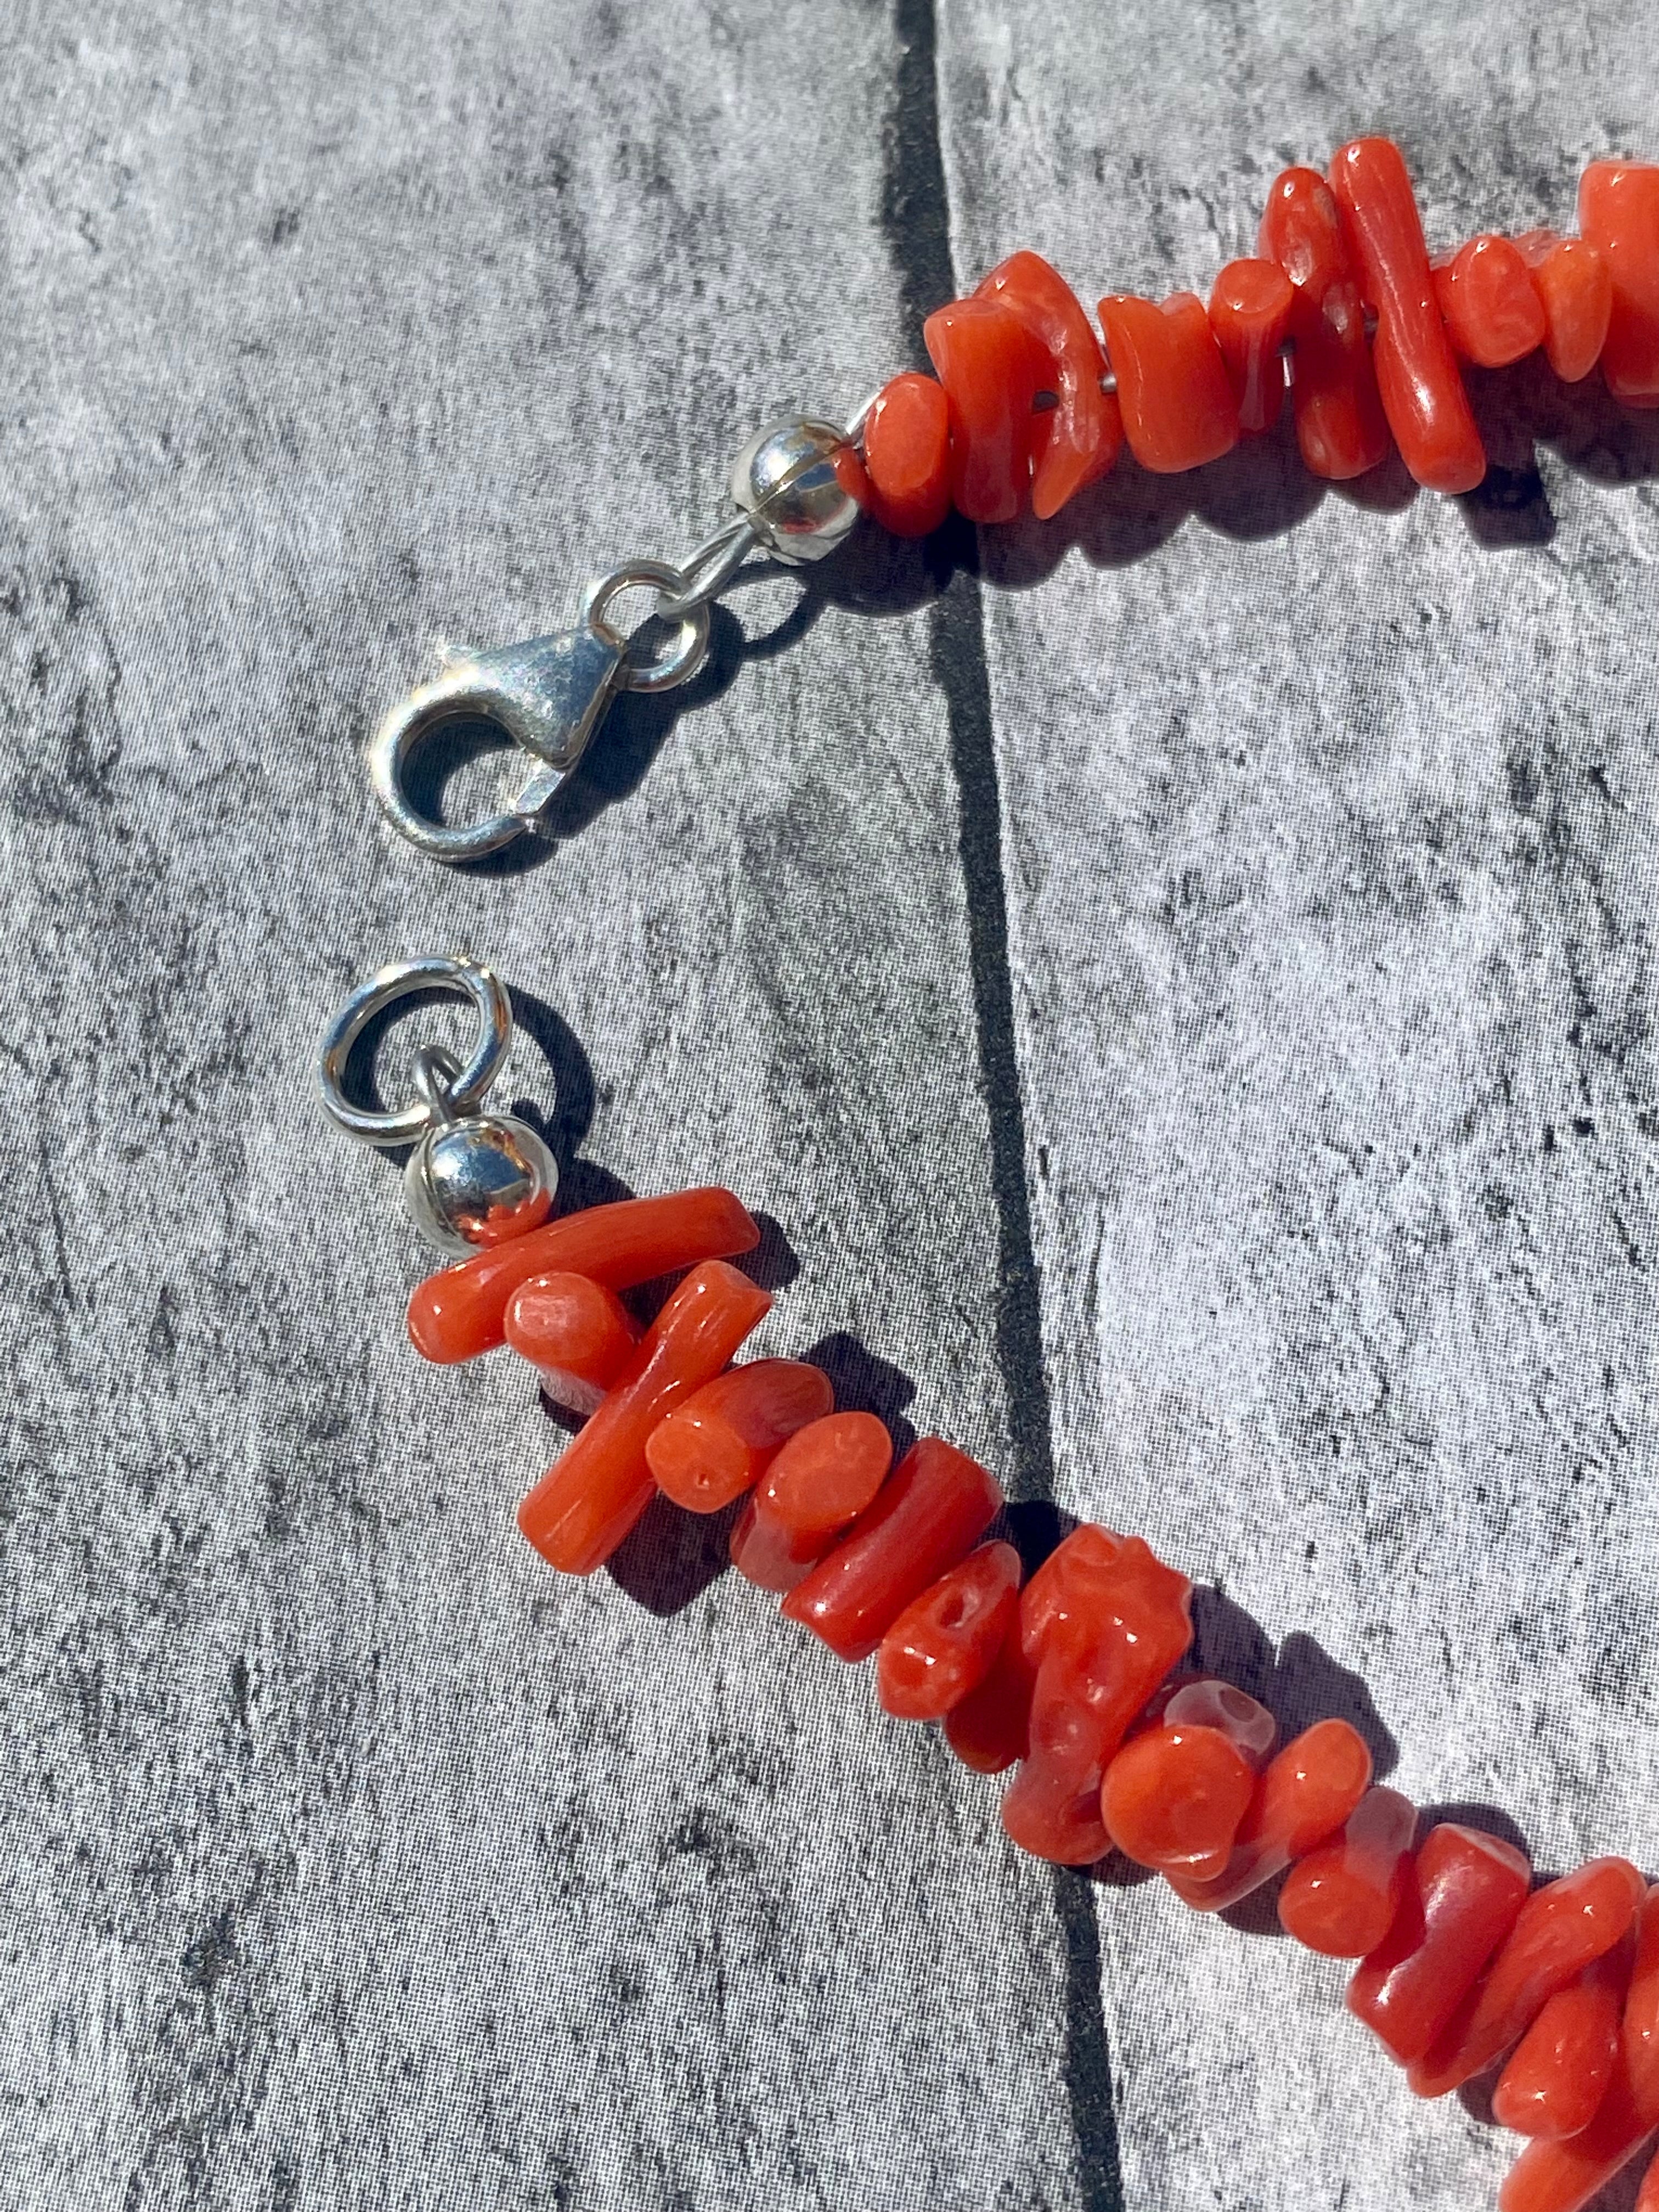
[
  {"x": 550, "y": 694},
  {"x": 473, "y": 1180}
]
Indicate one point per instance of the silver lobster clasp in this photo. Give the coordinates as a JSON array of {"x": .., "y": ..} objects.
[{"x": 548, "y": 695}]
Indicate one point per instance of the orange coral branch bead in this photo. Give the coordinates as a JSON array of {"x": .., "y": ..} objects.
[
  {"x": 1488, "y": 302},
  {"x": 1562, "y": 2066},
  {"x": 906, "y": 456},
  {"x": 992, "y": 371},
  {"x": 1463, "y": 1895},
  {"x": 1101, "y": 1621},
  {"x": 1341, "y": 1900},
  {"x": 1340, "y": 424},
  {"x": 1619, "y": 214},
  {"x": 1576, "y": 291},
  {"x": 1417, "y": 375},
  {"x": 1564, "y": 2176},
  {"x": 718, "y": 1443},
  {"x": 933, "y": 1509},
  {"x": 587, "y": 1503},
  {"x": 990, "y": 1728},
  {"x": 1178, "y": 406},
  {"x": 1175, "y": 1795},
  {"x": 1250, "y": 308},
  {"x": 1079, "y": 439},
  {"x": 577, "y": 1335},
  {"x": 462, "y": 1311},
  {"x": 1560, "y": 1931},
  {"x": 1304, "y": 1795},
  {"x": 945, "y": 1641},
  {"x": 820, "y": 1482}
]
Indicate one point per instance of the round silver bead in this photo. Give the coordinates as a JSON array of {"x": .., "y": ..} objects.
[
  {"x": 474, "y": 1182},
  {"x": 786, "y": 482}
]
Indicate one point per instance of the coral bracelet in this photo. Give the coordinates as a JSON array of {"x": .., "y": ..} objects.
[{"x": 1067, "y": 1669}]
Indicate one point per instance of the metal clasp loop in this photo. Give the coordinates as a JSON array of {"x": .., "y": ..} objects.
[
  {"x": 461, "y": 1088},
  {"x": 548, "y": 695}
]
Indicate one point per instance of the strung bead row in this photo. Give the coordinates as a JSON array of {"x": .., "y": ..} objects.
[
  {"x": 1073, "y": 1680},
  {"x": 1342, "y": 297}
]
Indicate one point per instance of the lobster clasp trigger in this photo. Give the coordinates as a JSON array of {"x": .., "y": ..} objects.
[{"x": 548, "y": 694}]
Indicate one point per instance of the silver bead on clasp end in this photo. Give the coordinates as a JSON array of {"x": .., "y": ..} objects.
[{"x": 473, "y": 1180}]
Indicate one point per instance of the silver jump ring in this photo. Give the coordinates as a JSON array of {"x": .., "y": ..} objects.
[
  {"x": 690, "y": 648},
  {"x": 403, "y": 980}
]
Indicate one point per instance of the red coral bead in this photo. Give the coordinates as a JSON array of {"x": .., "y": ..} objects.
[
  {"x": 1079, "y": 439},
  {"x": 718, "y": 1443},
  {"x": 1416, "y": 374},
  {"x": 820, "y": 1482},
  {"x": 1619, "y": 214},
  {"x": 945, "y": 1641},
  {"x": 1563, "y": 2065},
  {"x": 462, "y": 1311},
  {"x": 1175, "y": 1795},
  {"x": 1558, "y": 1932},
  {"x": 991, "y": 371},
  {"x": 1341, "y": 1900},
  {"x": 1178, "y": 406},
  {"x": 1488, "y": 302},
  {"x": 578, "y": 1335},
  {"x": 1576, "y": 291},
  {"x": 589, "y": 1499},
  {"x": 1303, "y": 1795},
  {"x": 930, "y": 1512},
  {"x": 906, "y": 456},
  {"x": 1463, "y": 1895},
  {"x": 1340, "y": 424},
  {"x": 991, "y": 1727},
  {"x": 1565, "y": 2175},
  {"x": 1250, "y": 308}
]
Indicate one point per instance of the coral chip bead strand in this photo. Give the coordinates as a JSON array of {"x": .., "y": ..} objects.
[
  {"x": 945, "y": 1641},
  {"x": 1029, "y": 406},
  {"x": 718, "y": 1442},
  {"x": 822, "y": 1479},
  {"x": 932, "y": 1510},
  {"x": 589, "y": 1499}
]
